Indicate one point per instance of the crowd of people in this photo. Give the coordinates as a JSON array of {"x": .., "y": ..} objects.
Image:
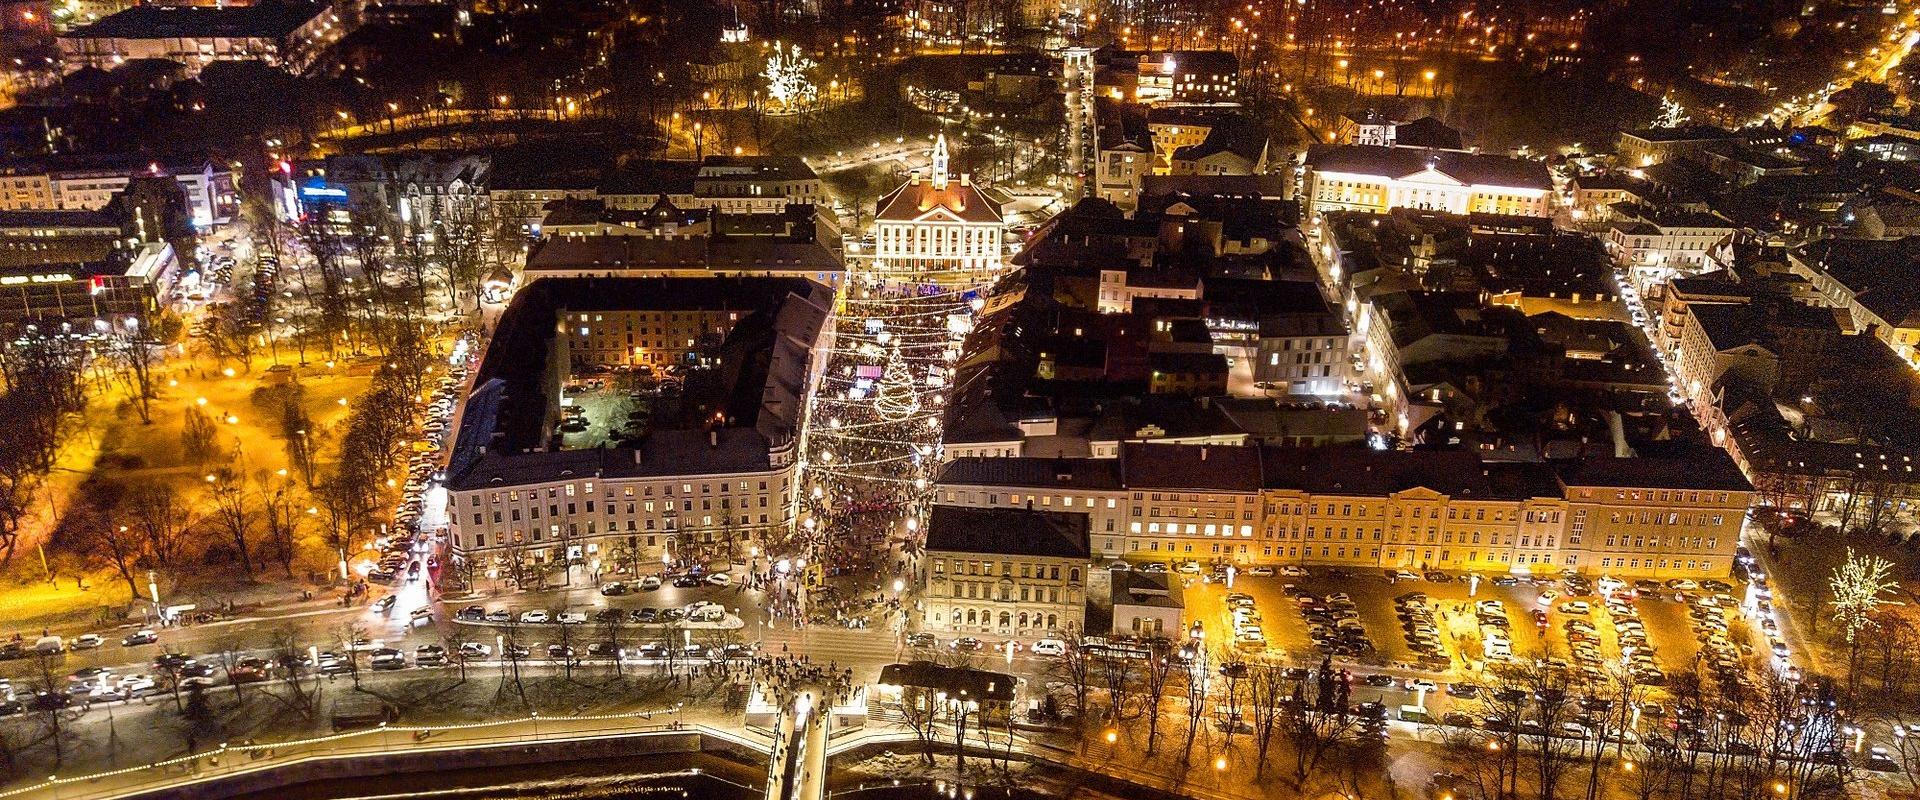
[
  {"x": 776, "y": 679},
  {"x": 870, "y": 466}
]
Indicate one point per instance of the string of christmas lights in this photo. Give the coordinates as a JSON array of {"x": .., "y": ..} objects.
[{"x": 874, "y": 431}]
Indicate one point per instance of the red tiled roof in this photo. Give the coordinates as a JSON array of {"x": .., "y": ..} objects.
[{"x": 918, "y": 198}]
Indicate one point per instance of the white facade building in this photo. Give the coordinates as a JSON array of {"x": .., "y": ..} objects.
[
  {"x": 934, "y": 225},
  {"x": 1379, "y": 179}
]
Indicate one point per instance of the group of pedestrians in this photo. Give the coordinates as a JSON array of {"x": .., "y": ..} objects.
[{"x": 779, "y": 678}]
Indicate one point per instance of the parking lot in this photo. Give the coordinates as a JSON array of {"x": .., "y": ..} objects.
[{"x": 1361, "y": 624}]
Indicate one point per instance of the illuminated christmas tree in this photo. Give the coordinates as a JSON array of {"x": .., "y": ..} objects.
[{"x": 894, "y": 397}]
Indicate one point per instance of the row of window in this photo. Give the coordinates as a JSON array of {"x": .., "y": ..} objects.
[
  {"x": 974, "y": 590},
  {"x": 513, "y": 495}
]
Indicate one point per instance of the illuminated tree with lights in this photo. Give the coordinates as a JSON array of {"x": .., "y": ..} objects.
[
  {"x": 894, "y": 397},
  {"x": 1857, "y": 586},
  {"x": 787, "y": 81},
  {"x": 1672, "y": 114}
]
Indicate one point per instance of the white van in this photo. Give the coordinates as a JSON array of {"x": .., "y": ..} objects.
[
  {"x": 49, "y": 645},
  {"x": 1049, "y": 647}
]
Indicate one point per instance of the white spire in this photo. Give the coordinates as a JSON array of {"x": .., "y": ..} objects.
[{"x": 940, "y": 162}]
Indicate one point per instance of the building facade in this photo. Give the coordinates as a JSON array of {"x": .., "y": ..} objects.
[
  {"x": 1379, "y": 179},
  {"x": 1362, "y": 508},
  {"x": 1005, "y": 571},
  {"x": 935, "y": 225},
  {"x": 286, "y": 35}
]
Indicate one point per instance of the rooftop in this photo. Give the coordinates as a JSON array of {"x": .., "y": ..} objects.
[
  {"x": 267, "y": 20},
  {"x": 1060, "y": 473},
  {"x": 719, "y": 254},
  {"x": 1007, "y": 531},
  {"x": 1473, "y": 169},
  {"x": 955, "y": 681},
  {"x": 504, "y": 430},
  {"x": 1154, "y": 590},
  {"x": 1688, "y": 133},
  {"x": 919, "y": 198},
  {"x": 1703, "y": 468}
]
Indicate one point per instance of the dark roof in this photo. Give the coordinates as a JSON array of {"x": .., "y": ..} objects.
[
  {"x": 266, "y": 20},
  {"x": 1690, "y": 133},
  {"x": 767, "y": 253},
  {"x": 1207, "y": 363},
  {"x": 1156, "y": 590},
  {"x": 1356, "y": 471},
  {"x": 955, "y": 681},
  {"x": 757, "y": 168},
  {"x": 1374, "y": 473},
  {"x": 58, "y": 219},
  {"x": 1704, "y": 468},
  {"x": 650, "y": 176},
  {"x": 1190, "y": 466},
  {"x": 1007, "y": 531},
  {"x": 1062, "y": 473},
  {"x": 1879, "y": 272},
  {"x": 518, "y": 351},
  {"x": 1400, "y": 162},
  {"x": 1268, "y": 186},
  {"x": 1426, "y": 132},
  {"x": 730, "y": 451},
  {"x": 1239, "y": 137}
]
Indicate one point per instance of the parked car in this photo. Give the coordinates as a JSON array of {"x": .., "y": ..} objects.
[
  {"x": 86, "y": 641},
  {"x": 1049, "y": 647},
  {"x": 572, "y": 618},
  {"x": 720, "y": 579},
  {"x": 613, "y": 588},
  {"x": 921, "y": 640},
  {"x": 535, "y": 617},
  {"x": 139, "y": 637},
  {"x": 649, "y": 583},
  {"x": 137, "y": 685}
]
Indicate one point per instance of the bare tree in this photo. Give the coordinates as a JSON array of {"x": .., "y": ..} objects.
[
  {"x": 512, "y": 653},
  {"x": 1319, "y": 722},
  {"x": 158, "y": 515},
  {"x": 456, "y": 642},
  {"x": 300, "y": 691},
  {"x": 97, "y": 531},
  {"x": 230, "y": 650},
  {"x": 921, "y": 712},
  {"x": 232, "y": 511},
  {"x": 280, "y": 514},
  {"x": 350, "y": 636},
  {"x": 1155, "y": 678},
  {"x": 1269, "y": 691},
  {"x": 1199, "y": 672},
  {"x": 133, "y": 352},
  {"x": 199, "y": 439}
]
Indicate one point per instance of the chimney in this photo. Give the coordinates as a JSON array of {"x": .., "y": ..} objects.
[
  {"x": 636, "y": 455},
  {"x": 1203, "y": 452},
  {"x": 713, "y": 438}
]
